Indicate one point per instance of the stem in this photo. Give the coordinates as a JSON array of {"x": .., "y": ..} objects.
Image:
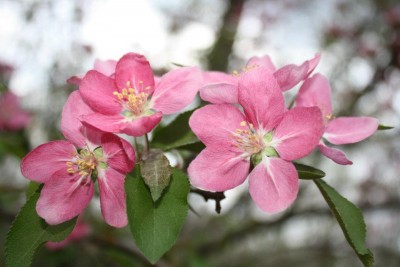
[
  {"x": 147, "y": 143},
  {"x": 216, "y": 196},
  {"x": 137, "y": 148}
]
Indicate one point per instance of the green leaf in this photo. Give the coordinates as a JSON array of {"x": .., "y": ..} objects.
[
  {"x": 307, "y": 172},
  {"x": 156, "y": 172},
  {"x": 29, "y": 231},
  {"x": 32, "y": 188},
  {"x": 350, "y": 220},
  {"x": 155, "y": 226},
  {"x": 175, "y": 134},
  {"x": 384, "y": 127}
]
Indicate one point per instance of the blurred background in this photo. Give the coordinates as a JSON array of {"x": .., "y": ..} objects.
[{"x": 44, "y": 42}]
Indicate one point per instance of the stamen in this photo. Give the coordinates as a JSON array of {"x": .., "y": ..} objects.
[{"x": 132, "y": 100}]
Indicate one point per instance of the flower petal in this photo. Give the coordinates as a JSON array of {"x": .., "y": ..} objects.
[
  {"x": 119, "y": 153},
  {"x": 112, "y": 197},
  {"x": 214, "y": 125},
  {"x": 97, "y": 91},
  {"x": 40, "y": 164},
  {"x": 347, "y": 130},
  {"x": 110, "y": 124},
  {"x": 220, "y": 93},
  {"x": 315, "y": 92},
  {"x": 71, "y": 125},
  {"x": 106, "y": 67},
  {"x": 218, "y": 169},
  {"x": 134, "y": 68},
  {"x": 290, "y": 75},
  {"x": 334, "y": 154},
  {"x": 264, "y": 61},
  {"x": 176, "y": 90},
  {"x": 273, "y": 184},
  {"x": 63, "y": 197},
  {"x": 298, "y": 133},
  {"x": 142, "y": 125},
  {"x": 261, "y": 98}
]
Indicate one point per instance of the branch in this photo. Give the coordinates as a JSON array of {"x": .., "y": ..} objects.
[{"x": 216, "y": 196}]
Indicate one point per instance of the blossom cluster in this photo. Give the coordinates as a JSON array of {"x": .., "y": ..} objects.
[{"x": 247, "y": 129}]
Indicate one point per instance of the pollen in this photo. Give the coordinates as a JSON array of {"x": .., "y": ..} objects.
[
  {"x": 248, "y": 140},
  {"x": 132, "y": 99}
]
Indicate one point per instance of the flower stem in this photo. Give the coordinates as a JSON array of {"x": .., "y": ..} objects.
[
  {"x": 137, "y": 148},
  {"x": 147, "y": 143}
]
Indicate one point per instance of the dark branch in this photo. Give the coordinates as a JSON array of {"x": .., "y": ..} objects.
[{"x": 216, "y": 196}]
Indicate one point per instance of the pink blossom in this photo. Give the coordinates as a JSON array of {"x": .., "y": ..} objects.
[
  {"x": 130, "y": 102},
  {"x": 219, "y": 87},
  {"x": 12, "y": 116},
  {"x": 80, "y": 231},
  {"x": 343, "y": 130},
  {"x": 266, "y": 135},
  {"x": 68, "y": 169},
  {"x": 106, "y": 67}
]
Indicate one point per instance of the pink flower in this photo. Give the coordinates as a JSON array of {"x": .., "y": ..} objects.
[
  {"x": 265, "y": 135},
  {"x": 106, "y": 67},
  {"x": 80, "y": 231},
  {"x": 68, "y": 169},
  {"x": 222, "y": 88},
  {"x": 316, "y": 92},
  {"x": 130, "y": 103},
  {"x": 12, "y": 117}
]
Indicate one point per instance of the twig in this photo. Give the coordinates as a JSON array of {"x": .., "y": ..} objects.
[{"x": 216, "y": 196}]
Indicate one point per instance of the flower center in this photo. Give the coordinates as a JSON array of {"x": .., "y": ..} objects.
[
  {"x": 254, "y": 143},
  {"x": 132, "y": 99},
  {"x": 86, "y": 162}
]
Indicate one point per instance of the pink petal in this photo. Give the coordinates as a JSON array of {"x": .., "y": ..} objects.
[
  {"x": 218, "y": 169},
  {"x": 261, "y": 98},
  {"x": 119, "y": 153},
  {"x": 74, "y": 80},
  {"x": 40, "y": 164},
  {"x": 134, "y": 68},
  {"x": 334, "y": 154},
  {"x": 71, "y": 125},
  {"x": 273, "y": 185},
  {"x": 176, "y": 90},
  {"x": 218, "y": 77},
  {"x": 112, "y": 197},
  {"x": 347, "y": 130},
  {"x": 63, "y": 197},
  {"x": 298, "y": 133},
  {"x": 315, "y": 92},
  {"x": 97, "y": 91},
  {"x": 220, "y": 93},
  {"x": 214, "y": 125},
  {"x": 290, "y": 75},
  {"x": 120, "y": 124},
  {"x": 106, "y": 67},
  {"x": 111, "y": 124},
  {"x": 264, "y": 61}
]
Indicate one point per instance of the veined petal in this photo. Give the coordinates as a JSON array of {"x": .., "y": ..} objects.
[
  {"x": 261, "y": 98},
  {"x": 40, "y": 164},
  {"x": 220, "y": 93},
  {"x": 71, "y": 125},
  {"x": 218, "y": 77},
  {"x": 273, "y": 184},
  {"x": 106, "y": 123},
  {"x": 112, "y": 197},
  {"x": 298, "y": 133},
  {"x": 218, "y": 169},
  {"x": 290, "y": 75},
  {"x": 118, "y": 152},
  {"x": 134, "y": 68},
  {"x": 142, "y": 125},
  {"x": 215, "y": 125},
  {"x": 315, "y": 92},
  {"x": 63, "y": 197},
  {"x": 176, "y": 90},
  {"x": 107, "y": 67},
  {"x": 347, "y": 130},
  {"x": 264, "y": 61},
  {"x": 334, "y": 154},
  {"x": 97, "y": 91}
]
